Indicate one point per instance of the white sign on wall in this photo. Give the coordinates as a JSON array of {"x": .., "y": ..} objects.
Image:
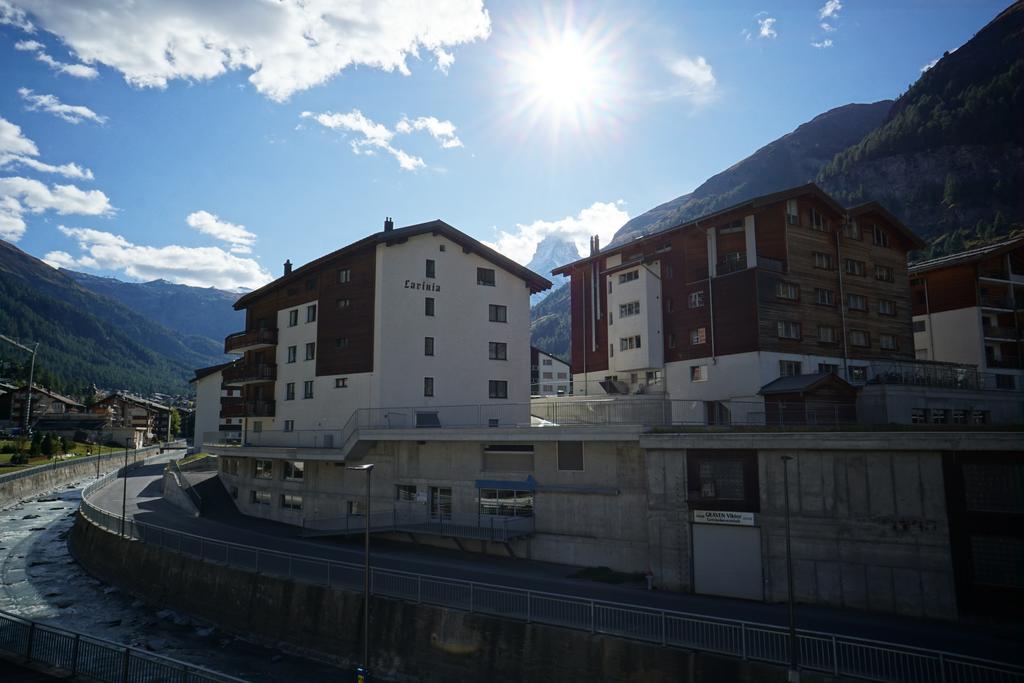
[{"x": 723, "y": 517}]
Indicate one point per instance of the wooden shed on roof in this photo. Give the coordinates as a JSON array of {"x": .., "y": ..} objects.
[{"x": 822, "y": 398}]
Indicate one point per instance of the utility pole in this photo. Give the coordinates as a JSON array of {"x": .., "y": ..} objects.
[
  {"x": 31, "y": 379},
  {"x": 793, "y": 675}
]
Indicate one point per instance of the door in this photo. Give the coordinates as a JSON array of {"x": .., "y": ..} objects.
[
  {"x": 440, "y": 502},
  {"x": 727, "y": 561}
]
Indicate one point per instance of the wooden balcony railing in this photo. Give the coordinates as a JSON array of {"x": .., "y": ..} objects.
[
  {"x": 256, "y": 372},
  {"x": 250, "y": 339}
]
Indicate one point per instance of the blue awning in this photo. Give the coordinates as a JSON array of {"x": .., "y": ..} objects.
[{"x": 529, "y": 484}]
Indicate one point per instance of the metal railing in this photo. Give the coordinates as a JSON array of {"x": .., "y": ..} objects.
[
  {"x": 418, "y": 520},
  {"x": 263, "y": 336},
  {"x": 83, "y": 656},
  {"x": 818, "y": 651},
  {"x": 186, "y": 485},
  {"x": 114, "y": 454},
  {"x": 933, "y": 374}
]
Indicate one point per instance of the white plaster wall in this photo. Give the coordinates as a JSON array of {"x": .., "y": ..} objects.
[
  {"x": 956, "y": 335},
  {"x": 647, "y": 290},
  {"x": 207, "y": 417},
  {"x": 557, "y": 366},
  {"x": 460, "y": 328}
]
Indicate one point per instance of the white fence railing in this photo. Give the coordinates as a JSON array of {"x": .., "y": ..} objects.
[{"x": 830, "y": 653}]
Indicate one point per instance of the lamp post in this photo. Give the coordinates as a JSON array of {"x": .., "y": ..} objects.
[
  {"x": 363, "y": 671},
  {"x": 124, "y": 490},
  {"x": 794, "y": 672}
]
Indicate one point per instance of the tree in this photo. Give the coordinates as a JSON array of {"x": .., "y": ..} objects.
[
  {"x": 37, "y": 443},
  {"x": 65, "y": 445},
  {"x": 175, "y": 422},
  {"x": 47, "y": 447}
]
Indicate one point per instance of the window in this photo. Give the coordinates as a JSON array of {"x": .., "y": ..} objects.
[
  {"x": 886, "y": 307},
  {"x": 879, "y": 237},
  {"x": 671, "y": 340},
  {"x": 563, "y": 375},
  {"x": 307, "y": 389},
  {"x": 405, "y": 492},
  {"x": 818, "y": 221},
  {"x": 292, "y": 350},
  {"x": 428, "y": 306},
  {"x": 341, "y": 382},
  {"x": 788, "y": 330},
  {"x": 792, "y": 214},
  {"x": 497, "y": 388},
  {"x": 852, "y": 230},
  {"x": 311, "y": 283},
  {"x": 293, "y": 317},
  {"x": 858, "y": 373},
  {"x": 289, "y": 391},
  {"x": 310, "y": 350},
  {"x": 428, "y": 386},
  {"x": 853, "y": 267},
  {"x": 887, "y": 342},
  {"x": 628, "y": 276},
  {"x": 828, "y": 367},
  {"x": 485, "y": 276},
  {"x": 884, "y": 273},
  {"x": 722, "y": 480},
  {"x": 822, "y": 260},
  {"x": 856, "y": 302},
  {"x": 259, "y": 497},
  {"x": 938, "y": 416},
  {"x": 732, "y": 228},
  {"x": 823, "y": 297},
  {"x": 789, "y": 368},
  {"x": 698, "y": 373},
  {"x": 698, "y": 336},
  {"x": 291, "y": 501},
  {"x": 311, "y": 313},
  {"x": 344, "y": 303},
  {"x": 826, "y": 334},
  {"x": 545, "y": 361},
  {"x": 959, "y": 417},
  {"x": 980, "y": 417},
  {"x": 626, "y": 310},
  {"x": 626, "y": 343},
  {"x": 257, "y": 426},
  {"x": 919, "y": 326},
  {"x": 289, "y": 425},
  {"x": 787, "y": 290},
  {"x": 428, "y": 346},
  {"x": 294, "y": 471},
  {"x": 548, "y": 387},
  {"x": 547, "y": 375},
  {"x": 497, "y": 313},
  {"x": 263, "y": 469},
  {"x": 497, "y": 351},
  {"x": 506, "y": 502},
  {"x": 859, "y": 338},
  {"x": 611, "y": 350},
  {"x": 431, "y": 270},
  {"x": 697, "y": 299},
  {"x": 440, "y": 247},
  {"x": 344, "y": 275},
  {"x": 341, "y": 342},
  {"x": 917, "y": 416},
  {"x": 609, "y": 286},
  {"x": 570, "y": 456}
]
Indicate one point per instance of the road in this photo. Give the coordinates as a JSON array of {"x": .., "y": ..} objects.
[
  {"x": 40, "y": 580},
  {"x": 223, "y": 522}
]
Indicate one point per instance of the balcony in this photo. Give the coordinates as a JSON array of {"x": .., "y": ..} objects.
[
  {"x": 259, "y": 408},
  {"x": 1005, "y": 363},
  {"x": 1003, "y": 333},
  {"x": 232, "y": 407},
  {"x": 1001, "y": 302},
  {"x": 250, "y": 373},
  {"x": 240, "y": 342},
  {"x": 733, "y": 263}
]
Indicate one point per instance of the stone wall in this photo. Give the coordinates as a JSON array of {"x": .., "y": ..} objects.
[{"x": 409, "y": 642}]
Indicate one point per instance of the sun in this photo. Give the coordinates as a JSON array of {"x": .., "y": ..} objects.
[{"x": 562, "y": 75}]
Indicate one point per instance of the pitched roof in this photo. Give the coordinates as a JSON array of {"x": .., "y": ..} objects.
[
  {"x": 52, "y": 394},
  {"x": 207, "y": 371},
  {"x": 536, "y": 282},
  {"x": 967, "y": 256},
  {"x": 801, "y": 384},
  {"x": 906, "y": 233}
]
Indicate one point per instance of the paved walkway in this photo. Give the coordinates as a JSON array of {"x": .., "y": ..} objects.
[{"x": 221, "y": 521}]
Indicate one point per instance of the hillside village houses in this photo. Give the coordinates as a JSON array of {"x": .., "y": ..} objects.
[{"x": 409, "y": 350}]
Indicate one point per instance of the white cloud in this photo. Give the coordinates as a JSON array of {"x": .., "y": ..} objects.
[
  {"x": 13, "y": 16},
  {"x": 19, "y": 196},
  {"x": 822, "y": 43},
  {"x": 196, "y": 266},
  {"x": 12, "y": 226},
  {"x": 13, "y": 142},
  {"x": 600, "y": 218},
  {"x": 830, "y": 9},
  {"x": 375, "y": 135},
  {"x": 72, "y": 113},
  {"x": 288, "y": 45},
  {"x": 827, "y": 27},
  {"x": 240, "y": 239},
  {"x": 930, "y": 64},
  {"x": 67, "y": 170},
  {"x": 767, "y": 27},
  {"x": 695, "y": 80},
  {"x": 76, "y": 70},
  {"x": 442, "y": 131}
]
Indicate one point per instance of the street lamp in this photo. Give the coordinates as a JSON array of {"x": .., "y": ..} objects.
[
  {"x": 794, "y": 672},
  {"x": 362, "y": 672},
  {"x": 124, "y": 491}
]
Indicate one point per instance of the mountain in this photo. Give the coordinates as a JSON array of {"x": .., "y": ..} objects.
[
  {"x": 553, "y": 251},
  {"x": 203, "y": 316},
  {"x": 86, "y": 338},
  {"x": 794, "y": 159},
  {"x": 949, "y": 157},
  {"x": 549, "y": 323}
]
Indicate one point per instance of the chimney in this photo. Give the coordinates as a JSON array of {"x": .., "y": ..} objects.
[
  {"x": 597, "y": 244},
  {"x": 288, "y": 267},
  {"x": 389, "y": 224}
]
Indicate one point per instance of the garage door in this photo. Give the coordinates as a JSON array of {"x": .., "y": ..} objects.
[{"x": 727, "y": 561}]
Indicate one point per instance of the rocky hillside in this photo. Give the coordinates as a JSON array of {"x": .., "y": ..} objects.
[
  {"x": 551, "y": 252},
  {"x": 793, "y": 159},
  {"x": 549, "y": 323}
]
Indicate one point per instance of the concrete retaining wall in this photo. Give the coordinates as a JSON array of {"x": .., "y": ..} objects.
[
  {"x": 49, "y": 476},
  {"x": 175, "y": 494},
  {"x": 409, "y": 642}
]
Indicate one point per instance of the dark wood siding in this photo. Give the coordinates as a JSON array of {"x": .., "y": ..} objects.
[
  {"x": 948, "y": 289},
  {"x": 582, "y": 318},
  {"x": 735, "y": 303},
  {"x": 353, "y": 323}
]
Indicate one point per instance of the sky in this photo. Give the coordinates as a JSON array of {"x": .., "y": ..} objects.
[{"x": 206, "y": 142}]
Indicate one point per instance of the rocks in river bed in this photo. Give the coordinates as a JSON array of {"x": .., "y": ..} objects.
[
  {"x": 64, "y": 603},
  {"x": 136, "y": 604},
  {"x": 111, "y": 622},
  {"x": 31, "y": 517},
  {"x": 37, "y": 563},
  {"x": 205, "y": 632},
  {"x": 37, "y": 528},
  {"x": 156, "y": 644},
  {"x": 109, "y": 590}
]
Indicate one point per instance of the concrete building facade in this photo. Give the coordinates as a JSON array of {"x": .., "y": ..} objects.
[{"x": 549, "y": 375}]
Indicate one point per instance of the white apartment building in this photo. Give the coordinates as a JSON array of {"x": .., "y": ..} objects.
[
  {"x": 221, "y": 406},
  {"x": 549, "y": 375}
]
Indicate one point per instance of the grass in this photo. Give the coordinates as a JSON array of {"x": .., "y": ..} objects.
[
  {"x": 192, "y": 458},
  {"x": 78, "y": 450}
]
